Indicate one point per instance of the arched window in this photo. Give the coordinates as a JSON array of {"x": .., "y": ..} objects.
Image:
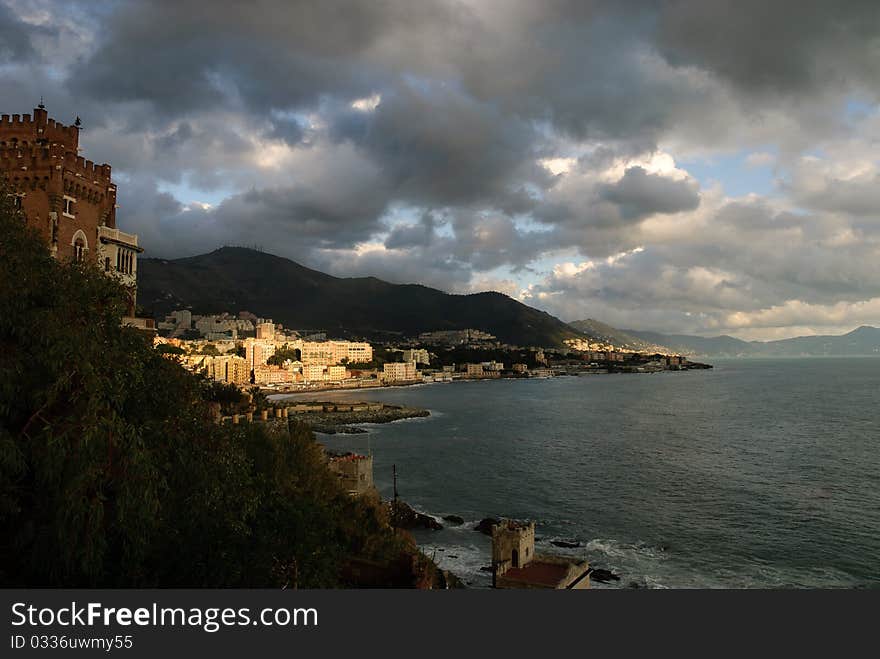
[{"x": 80, "y": 246}]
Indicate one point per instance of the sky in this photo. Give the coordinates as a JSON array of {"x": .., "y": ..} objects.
[{"x": 691, "y": 166}]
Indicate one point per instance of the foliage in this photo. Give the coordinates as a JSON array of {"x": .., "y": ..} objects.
[
  {"x": 259, "y": 400},
  {"x": 283, "y": 354},
  {"x": 381, "y": 356},
  {"x": 232, "y": 400},
  {"x": 168, "y": 349},
  {"x": 112, "y": 471}
]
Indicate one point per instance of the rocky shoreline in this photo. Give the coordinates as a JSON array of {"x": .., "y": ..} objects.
[
  {"x": 404, "y": 516},
  {"x": 338, "y": 418}
]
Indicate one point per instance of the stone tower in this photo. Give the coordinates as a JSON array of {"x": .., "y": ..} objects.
[{"x": 513, "y": 545}]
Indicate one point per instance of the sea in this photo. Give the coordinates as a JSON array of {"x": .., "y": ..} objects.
[{"x": 756, "y": 474}]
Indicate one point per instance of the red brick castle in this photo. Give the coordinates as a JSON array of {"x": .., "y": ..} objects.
[{"x": 71, "y": 201}]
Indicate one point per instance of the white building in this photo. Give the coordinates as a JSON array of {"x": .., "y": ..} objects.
[
  {"x": 267, "y": 374},
  {"x": 419, "y": 356},
  {"x": 399, "y": 372},
  {"x": 336, "y": 373},
  {"x": 258, "y": 351},
  {"x": 313, "y": 372},
  {"x": 333, "y": 352},
  {"x": 266, "y": 330},
  {"x": 231, "y": 369}
]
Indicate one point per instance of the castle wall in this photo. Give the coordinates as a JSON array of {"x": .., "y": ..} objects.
[{"x": 60, "y": 192}]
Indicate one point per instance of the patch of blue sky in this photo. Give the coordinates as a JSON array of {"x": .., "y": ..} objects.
[
  {"x": 528, "y": 224},
  {"x": 742, "y": 173},
  {"x": 187, "y": 194},
  {"x": 398, "y": 214},
  {"x": 292, "y": 116},
  {"x": 544, "y": 264},
  {"x": 856, "y": 109}
]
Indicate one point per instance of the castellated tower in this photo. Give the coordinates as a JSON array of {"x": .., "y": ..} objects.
[
  {"x": 513, "y": 545},
  {"x": 515, "y": 564},
  {"x": 69, "y": 200}
]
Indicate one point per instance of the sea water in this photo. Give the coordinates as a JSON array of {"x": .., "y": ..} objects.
[{"x": 758, "y": 473}]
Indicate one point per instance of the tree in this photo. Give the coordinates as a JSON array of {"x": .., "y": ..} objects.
[
  {"x": 112, "y": 470},
  {"x": 168, "y": 349},
  {"x": 283, "y": 354}
]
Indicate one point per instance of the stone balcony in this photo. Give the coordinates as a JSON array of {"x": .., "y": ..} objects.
[{"x": 117, "y": 237}]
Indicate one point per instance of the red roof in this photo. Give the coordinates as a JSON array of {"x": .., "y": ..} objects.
[{"x": 544, "y": 574}]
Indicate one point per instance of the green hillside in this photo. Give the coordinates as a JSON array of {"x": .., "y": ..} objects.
[{"x": 237, "y": 279}]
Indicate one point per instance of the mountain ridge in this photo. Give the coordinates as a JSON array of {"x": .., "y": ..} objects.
[
  {"x": 604, "y": 333},
  {"x": 862, "y": 341},
  {"x": 241, "y": 279}
]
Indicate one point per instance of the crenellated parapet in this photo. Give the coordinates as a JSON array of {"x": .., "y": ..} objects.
[
  {"x": 38, "y": 128},
  {"x": 53, "y": 157}
]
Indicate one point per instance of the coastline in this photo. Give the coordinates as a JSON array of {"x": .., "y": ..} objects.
[
  {"x": 276, "y": 394},
  {"x": 331, "y": 418}
]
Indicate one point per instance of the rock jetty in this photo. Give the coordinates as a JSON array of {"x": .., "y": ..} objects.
[{"x": 334, "y": 417}]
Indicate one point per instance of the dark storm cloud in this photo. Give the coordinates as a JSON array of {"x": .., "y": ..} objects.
[
  {"x": 421, "y": 234},
  {"x": 289, "y": 130},
  {"x": 640, "y": 194},
  {"x": 443, "y": 148},
  {"x": 404, "y": 139},
  {"x": 788, "y": 46},
  {"x": 14, "y": 36},
  {"x": 265, "y": 55},
  {"x": 489, "y": 240}
]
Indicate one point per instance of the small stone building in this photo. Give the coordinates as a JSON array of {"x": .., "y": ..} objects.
[
  {"x": 354, "y": 471},
  {"x": 515, "y": 564}
]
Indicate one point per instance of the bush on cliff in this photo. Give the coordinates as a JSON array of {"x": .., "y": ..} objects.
[{"x": 112, "y": 472}]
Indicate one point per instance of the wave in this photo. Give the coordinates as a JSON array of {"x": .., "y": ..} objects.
[{"x": 616, "y": 549}]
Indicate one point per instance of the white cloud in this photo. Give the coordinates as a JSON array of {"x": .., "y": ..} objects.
[{"x": 367, "y": 104}]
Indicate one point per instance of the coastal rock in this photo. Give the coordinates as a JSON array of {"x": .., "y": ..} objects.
[
  {"x": 568, "y": 544},
  {"x": 331, "y": 418},
  {"x": 603, "y": 576},
  {"x": 454, "y": 519},
  {"x": 404, "y": 517},
  {"x": 485, "y": 525},
  {"x": 341, "y": 430}
]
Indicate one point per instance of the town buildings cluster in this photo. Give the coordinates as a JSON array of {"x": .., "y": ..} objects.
[{"x": 244, "y": 350}]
